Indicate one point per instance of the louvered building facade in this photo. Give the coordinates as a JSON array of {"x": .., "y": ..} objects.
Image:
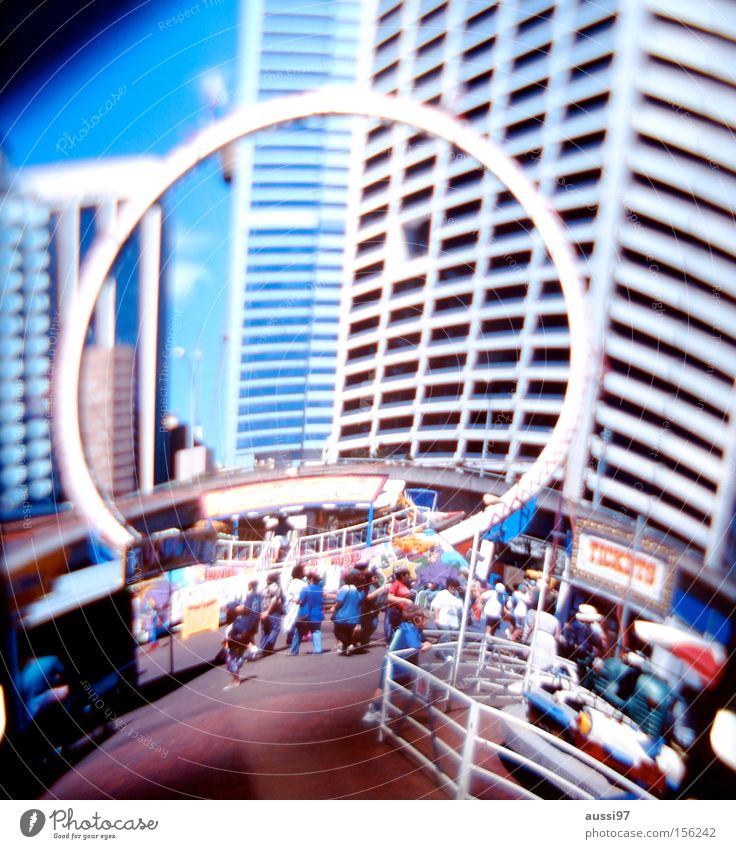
[{"x": 456, "y": 338}]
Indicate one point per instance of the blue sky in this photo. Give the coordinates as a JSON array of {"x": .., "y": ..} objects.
[{"x": 140, "y": 87}]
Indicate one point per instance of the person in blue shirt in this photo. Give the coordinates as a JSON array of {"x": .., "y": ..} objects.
[
  {"x": 346, "y": 615},
  {"x": 311, "y": 616},
  {"x": 407, "y": 636}
]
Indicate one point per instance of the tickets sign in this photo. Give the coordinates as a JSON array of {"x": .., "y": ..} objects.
[{"x": 619, "y": 566}]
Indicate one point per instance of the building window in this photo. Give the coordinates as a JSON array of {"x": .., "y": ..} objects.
[{"x": 416, "y": 237}]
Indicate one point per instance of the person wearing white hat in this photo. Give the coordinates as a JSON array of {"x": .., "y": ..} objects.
[
  {"x": 588, "y": 614},
  {"x": 586, "y": 636}
]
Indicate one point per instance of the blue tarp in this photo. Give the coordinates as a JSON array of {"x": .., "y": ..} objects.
[
  {"x": 514, "y": 524},
  {"x": 423, "y": 497}
]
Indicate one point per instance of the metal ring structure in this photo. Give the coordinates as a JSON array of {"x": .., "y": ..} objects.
[{"x": 75, "y": 474}]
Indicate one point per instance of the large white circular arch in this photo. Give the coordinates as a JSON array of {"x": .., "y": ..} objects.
[{"x": 75, "y": 474}]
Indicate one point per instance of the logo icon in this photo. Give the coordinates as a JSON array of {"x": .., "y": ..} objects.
[{"x": 31, "y": 822}]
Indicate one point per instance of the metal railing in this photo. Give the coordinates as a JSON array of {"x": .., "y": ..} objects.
[
  {"x": 400, "y": 523},
  {"x": 243, "y": 551},
  {"x": 458, "y": 738},
  {"x": 262, "y": 553},
  {"x": 494, "y": 668}
]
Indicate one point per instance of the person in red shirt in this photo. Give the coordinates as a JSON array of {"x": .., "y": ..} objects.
[{"x": 399, "y": 596}]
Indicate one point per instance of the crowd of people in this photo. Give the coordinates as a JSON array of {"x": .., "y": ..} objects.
[{"x": 301, "y": 607}]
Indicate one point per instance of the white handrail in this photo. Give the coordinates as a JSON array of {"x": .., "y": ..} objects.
[
  {"x": 473, "y": 733},
  {"x": 317, "y": 545}
]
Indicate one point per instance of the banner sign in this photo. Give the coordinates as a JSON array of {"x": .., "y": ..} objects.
[
  {"x": 292, "y": 492},
  {"x": 203, "y": 616},
  {"x": 634, "y": 574}
]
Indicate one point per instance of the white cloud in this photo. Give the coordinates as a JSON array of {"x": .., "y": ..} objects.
[
  {"x": 184, "y": 275},
  {"x": 192, "y": 242}
]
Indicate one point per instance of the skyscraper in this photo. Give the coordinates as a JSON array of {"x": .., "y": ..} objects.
[
  {"x": 457, "y": 346},
  {"x": 26, "y": 334},
  {"x": 125, "y": 370},
  {"x": 290, "y": 196}
]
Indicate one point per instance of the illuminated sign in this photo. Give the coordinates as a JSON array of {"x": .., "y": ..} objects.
[
  {"x": 149, "y": 557},
  {"x": 291, "y": 492},
  {"x": 619, "y": 566}
]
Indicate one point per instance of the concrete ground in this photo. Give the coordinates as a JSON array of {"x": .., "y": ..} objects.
[{"x": 292, "y": 730}]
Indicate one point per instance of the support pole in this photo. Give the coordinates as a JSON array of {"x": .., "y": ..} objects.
[
  {"x": 148, "y": 285},
  {"x": 466, "y": 764},
  {"x": 540, "y": 607},
  {"x": 369, "y": 529},
  {"x": 386, "y": 695},
  {"x": 171, "y": 630},
  {"x": 466, "y": 608},
  {"x": 625, "y": 607}
]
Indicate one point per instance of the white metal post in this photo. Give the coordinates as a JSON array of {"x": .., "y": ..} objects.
[
  {"x": 105, "y": 221},
  {"x": 466, "y": 763},
  {"x": 105, "y": 316},
  {"x": 564, "y": 592},
  {"x": 466, "y": 608},
  {"x": 148, "y": 285},
  {"x": 385, "y": 696},
  {"x": 540, "y": 608}
]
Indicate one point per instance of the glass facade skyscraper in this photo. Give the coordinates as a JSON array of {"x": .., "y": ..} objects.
[
  {"x": 124, "y": 392},
  {"x": 26, "y": 334},
  {"x": 290, "y": 196}
]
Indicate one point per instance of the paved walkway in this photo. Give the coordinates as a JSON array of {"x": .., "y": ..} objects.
[{"x": 292, "y": 730}]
